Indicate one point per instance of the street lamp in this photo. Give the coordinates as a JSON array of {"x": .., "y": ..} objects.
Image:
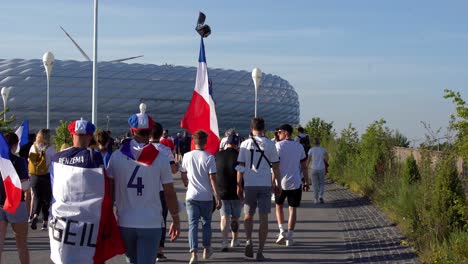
[
  {"x": 48, "y": 60},
  {"x": 256, "y": 77},
  {"x": 5, "y": 93}
]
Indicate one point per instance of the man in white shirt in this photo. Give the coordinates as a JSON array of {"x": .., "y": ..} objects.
[
  {"x": 255, "y": 181},
  {"x": 156, "y": 134},
  {"x": 198, "y": 172},
  {"x": 138, "y": 170},
  {"x": 293, "y": 167},
  {"x": 318, "y": 156}
]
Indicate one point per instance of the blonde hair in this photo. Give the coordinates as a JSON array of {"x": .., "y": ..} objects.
[{"x": 43, "y": 137}]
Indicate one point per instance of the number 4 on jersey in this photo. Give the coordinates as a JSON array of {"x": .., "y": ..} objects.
[{"x": 139, "y": 185}]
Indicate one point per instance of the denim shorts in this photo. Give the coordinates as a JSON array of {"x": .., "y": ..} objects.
[
  {"x": 20, "y": 216},
  {"x": 257, "y": 196},
  {"x": 231, "y": 208}
]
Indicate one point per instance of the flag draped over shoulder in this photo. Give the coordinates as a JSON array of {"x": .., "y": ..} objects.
[
  {"x": 11, "y": 180},
  {"x": 22, "y": 132},
  {"x": 83, "y": 228},
  {"x": 201, "y": 113}
]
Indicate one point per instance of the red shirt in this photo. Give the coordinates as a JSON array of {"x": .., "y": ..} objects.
[{"x": 168, "y": 143}]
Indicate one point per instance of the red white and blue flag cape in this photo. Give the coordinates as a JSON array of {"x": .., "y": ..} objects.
[
  {"x": 22, "y": 132},
  {"x": 83, "y": 228},
  {"x": 11, "y": 180},
  {"x": 201, "y": 113}
]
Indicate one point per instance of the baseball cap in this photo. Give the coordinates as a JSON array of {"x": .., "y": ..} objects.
[
  {"x": 81, "y": 127},
  {"x": 286, "y": 127},
  {"x": 233, "y": 139}
]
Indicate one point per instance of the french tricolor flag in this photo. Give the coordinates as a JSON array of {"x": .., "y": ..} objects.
[
  {"x": 11, "y": 180},
  {"x": 22, "y": 132},
  {"x": 201, "y": 113}
]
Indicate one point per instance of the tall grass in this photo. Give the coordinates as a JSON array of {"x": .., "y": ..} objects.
[{"x": 427, "y": 201}]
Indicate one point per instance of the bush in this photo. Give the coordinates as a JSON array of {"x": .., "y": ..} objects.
[
  {"x": 449, "y": 209},
  {"x": 62, "y": 136},
  {"x": 411, "y": 171}
]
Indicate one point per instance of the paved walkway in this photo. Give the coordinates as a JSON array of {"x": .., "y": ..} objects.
[{"x": 346, "y": 229}]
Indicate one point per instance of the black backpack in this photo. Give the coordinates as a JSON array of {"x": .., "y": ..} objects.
[{"x": 305, "y": 142}]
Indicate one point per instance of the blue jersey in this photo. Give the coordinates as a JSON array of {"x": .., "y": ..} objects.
[{"x": 79, "y": 157}]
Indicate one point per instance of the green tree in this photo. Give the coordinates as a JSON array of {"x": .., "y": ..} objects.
[
  {"x": 411, "y": 171},
  {"x": 5, "y": 124},
  {"x": 345, "y": 151},
  {"x": 317, "y": 127},
  {"x": 375, "y": 153},
  {"x": 449, "y": 209},
  {"x": 459, "y": 122},
  {"x": 399, "y": 140},
  {"x": 62, "y": 135}
]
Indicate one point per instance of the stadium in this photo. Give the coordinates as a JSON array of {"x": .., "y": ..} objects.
[{"x": 166, "y": 89}]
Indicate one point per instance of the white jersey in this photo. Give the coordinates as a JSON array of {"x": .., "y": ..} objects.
[
  {"x": 137, "y": 187},
  {"x": 291, "y": 154},
  {"x": 317, "y": 156},
  {"x": 198, "y": 165},
  {"x": 166, "y": 151},
  {"x": 257, "y": 169}
]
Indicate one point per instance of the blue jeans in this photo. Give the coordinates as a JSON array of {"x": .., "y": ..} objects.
[
  {"x": 142, "y": 244},
  {"x": 318, "y": 183},
  {"x": 197, "y": 210}
]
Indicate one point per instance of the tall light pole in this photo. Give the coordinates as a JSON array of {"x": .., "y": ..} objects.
[
  {"x": 5, "y": 93},
  {"x": 48, "y": 60},
  {"x": 95, "y": 47},
  {"x": 256, "y": 77},
  {"x": 108, "y": 119}
]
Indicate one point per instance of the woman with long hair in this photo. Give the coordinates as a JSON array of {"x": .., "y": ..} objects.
[
  {"x": 19, "y": 219},
  {"x": 40, "y": 155}
]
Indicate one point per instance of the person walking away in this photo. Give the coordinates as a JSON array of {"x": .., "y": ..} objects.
[
  {"x": 177, "y": 147},
  {"x": 198, "y": 171},
  {"x": 19, "y": 219},
  {"x": 156, "y": 134},
  {"x": 293, "y": 167},
  {"x": 82, "y": 211},
  {"x": 138, "y": 170},
  {"x": 185, "y": 143},
  {"x": 303, "y": 139},
  {"x": 40, "y": 156},
  {"x": 28, "y": 194},
  {"x": 167, "y": 141},
  {"x": 104, "y": 140},
  {"x": 257, "y": 175},
  {"x": 226, "y": 162},
  {"x": 317, "y": 159}
]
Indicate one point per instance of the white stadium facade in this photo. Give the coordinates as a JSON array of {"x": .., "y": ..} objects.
[{"x": 166, "y": 89}]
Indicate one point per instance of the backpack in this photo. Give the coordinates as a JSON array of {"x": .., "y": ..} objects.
[
  {"x": 305, "y": 142},
  {"x": 37, "y": 162}
]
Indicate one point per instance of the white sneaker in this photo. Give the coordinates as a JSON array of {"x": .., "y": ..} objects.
[
  {"x": 235, "y": 243},
  {"x": 281, "y": 238},
  {"x": 289, "y": 242}
]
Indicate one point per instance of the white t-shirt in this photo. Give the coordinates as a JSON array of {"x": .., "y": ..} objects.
[
  {"x": 137, "y": 188},
  {"x": 291, "y": 154},
  {"x": 198, "y": 165},
  {"x": 166, "y": 151},
  {"x": 257, "y": 170},
  {"x": 317, "y": 156}
]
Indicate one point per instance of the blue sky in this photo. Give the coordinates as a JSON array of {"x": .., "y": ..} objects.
[{"x": 350, "y": 61}]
